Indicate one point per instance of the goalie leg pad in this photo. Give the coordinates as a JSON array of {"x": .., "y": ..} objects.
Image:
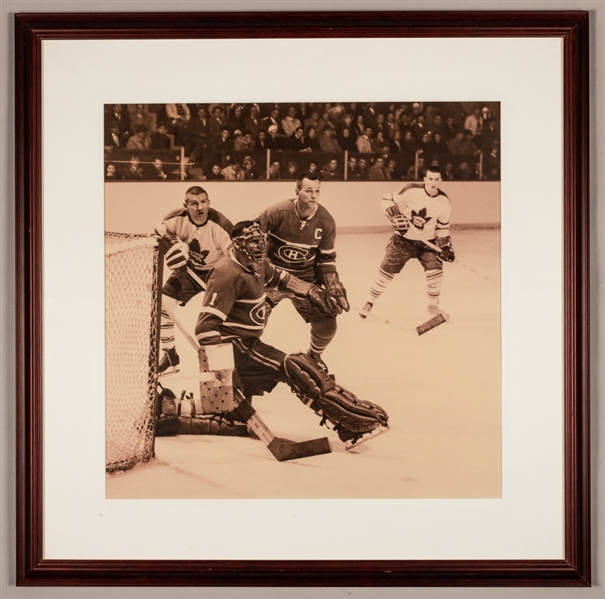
[
  {"x": 206, "y": 424},
  {"x": 330, "y": 400}
]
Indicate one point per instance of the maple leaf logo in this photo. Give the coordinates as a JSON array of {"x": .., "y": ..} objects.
[
  {"x": 196, "y": 254},
  {"x": 419, "y": 219}
]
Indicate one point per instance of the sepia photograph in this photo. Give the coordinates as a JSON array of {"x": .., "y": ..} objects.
[{"x": 303, "y": 299}]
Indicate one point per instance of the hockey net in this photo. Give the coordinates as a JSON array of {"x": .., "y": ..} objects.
[{"x": 132, "y": 275}]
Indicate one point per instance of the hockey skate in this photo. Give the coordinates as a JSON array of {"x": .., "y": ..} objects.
[
  {"x": 435, "y": 310},
  {"x": 365, "y": 311},
  {"x": 170, "y": 360},
  {"x": 353, "y": 440},
  {"x": 317, "y": 359}
]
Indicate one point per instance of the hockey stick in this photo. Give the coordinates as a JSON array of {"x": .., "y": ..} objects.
[
  {"x": 421, "y": 329},
  {"x": 281, "y": 449}
]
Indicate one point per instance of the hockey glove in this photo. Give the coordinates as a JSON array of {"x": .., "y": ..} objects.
[
  {"x": 447, "y": 251},
  {"x": 176, "y": 256},
  {"x": 324, "y": 303},
  {"x": 400, "y": 223},
  {"x": 336, "y": 289}
]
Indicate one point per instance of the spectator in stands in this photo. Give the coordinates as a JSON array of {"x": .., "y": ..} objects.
[
  {"x": 274, "y": 141},
  {"x": 311, "y": 140},
  {"x": 236, "y": 120},
  {"x": 363, "y": 169},
  {"x": 223, "y": 146},
  {"x": 217, "y": 122},
  {"x": 449, "y": 129},
  {"x": 139, "y": 115},
  {"x": 370, "y": 115},
  {"x": 346, "y": 141},
  {"x": 461, "y": 145},
  {"x": 313, "y": 168},
  {"x": 473, "y": 122},
  {"x": 381, "y": 126},
  {"x": 365, "y": 142},
  {"x": 312, "y": 121},
  {"x": 215, "y": 173},
  {"x": 416, "y": 171},
  {"x": 290, "y": 122},
  {"x": 396, "y": 145},
  {"x": 296, "y": 142},
  {"x": 328, "y": 142},
  {"x": 419, "y": 127},
  {"x": 330, "y": 171},
  {"x": 391, "y": 125},
  {"x": 110, "y": 172},
  {"x": 117, "y": 114},
  {"x": 252, "y": 124},
  {"x": 489, "y": 134},
  {"x": 275, "y": 170},
  {"x": 160, "y": 140},
  {"x": 134, "y": 171},
  {"x": 492, "y": 162},
  {"x": 178, "y": 117},
  {"x": 376, "y": 172},
  {"x": 261, "y": 140},
  {"x": 352, "y": 169},
  {"x": 249, "y": 173},
  {"x": 464, "y": 172},
  {"x": 248, "y": 144},
  {"x": 238, "y": 141},
  {"x": 158, "y": 173},
  {"x": 272, "y": 120},
  {"x": 381, "y": 144},
  {"x": 359, "y": 128},
  {"x": 448, "y": 172},
  {"x": 233, "y": 172},
  {"x": 113, "y": 137},
  {"x": 198, "y": 133},
  {"x": 291, "y": 171},
  {"x": 346, "y": 123},
  {"x": 390, "y": 170},
  {"x": 436, "y": 149},
  {"x": 140, "y": 140}
]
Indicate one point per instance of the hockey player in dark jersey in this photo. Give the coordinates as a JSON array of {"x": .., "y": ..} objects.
[
  {"x": 420, "y": 215},
  {"x": 234, "y": 311},
  {"x": 300, "y": 239},
  {"x": 194, "y": 238}
]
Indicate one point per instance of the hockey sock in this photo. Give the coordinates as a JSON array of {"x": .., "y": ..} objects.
[
  {"x": 434, "y": 280},
  {"x": 166, "y": 331},
  {"x": 322, "y": 333},
  {"x": 379, "y": 285}
]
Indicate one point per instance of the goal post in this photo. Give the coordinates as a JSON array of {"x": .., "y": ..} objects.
[{"x": 133, "y": 275}]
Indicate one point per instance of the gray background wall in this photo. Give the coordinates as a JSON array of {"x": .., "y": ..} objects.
[{"x": 7, "y": 454}]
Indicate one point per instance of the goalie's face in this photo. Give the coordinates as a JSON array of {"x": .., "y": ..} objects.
[
  {"x": 251, "y": 243},
  {"x": 197, "y": 207}
]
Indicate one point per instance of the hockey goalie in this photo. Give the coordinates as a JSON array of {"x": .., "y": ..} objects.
[{"x": 231, "y": 321}]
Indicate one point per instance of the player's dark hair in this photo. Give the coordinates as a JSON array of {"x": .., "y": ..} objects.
[
  {"x": 434, "y": 169},
  {"x": 196, "y": 190},
  {"x": 239, "y": 227},
  {"x": 306, "y": 175}
]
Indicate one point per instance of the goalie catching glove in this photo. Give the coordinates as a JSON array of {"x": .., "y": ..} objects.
[
  {"x": 176, "y": 256},
  {"x": 349, "y": 415},
  {"x": 319, "y": 298},
  {"x": 447, "y": 251},
  {"x": 335, "y": 288}
]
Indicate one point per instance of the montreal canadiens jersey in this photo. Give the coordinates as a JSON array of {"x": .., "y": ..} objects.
[
  {"x": 429, "y": 216},
  {"x": 206, "y": 243},
  {"x": 234, "y": 303},
  {"x": 300, "y": 245}
]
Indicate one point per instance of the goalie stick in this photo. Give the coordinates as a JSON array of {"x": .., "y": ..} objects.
[{"x": 281, "y": 449}]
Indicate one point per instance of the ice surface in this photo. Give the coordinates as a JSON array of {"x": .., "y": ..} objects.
[{"x": 441, "y": 391}]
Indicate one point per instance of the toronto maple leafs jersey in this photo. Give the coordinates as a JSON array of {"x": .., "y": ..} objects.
[
  {"x": 304, "y": 247},
  {"x": 206, "y": 243},
  {"x": 234, "y": 303},
  {"x": 429, "y": 216}
]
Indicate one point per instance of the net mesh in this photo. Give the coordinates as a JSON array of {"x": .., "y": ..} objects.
[{"x": 131, "y": 348}]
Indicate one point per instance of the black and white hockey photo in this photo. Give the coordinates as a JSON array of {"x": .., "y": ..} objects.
[{"x": 303, "y": 300}]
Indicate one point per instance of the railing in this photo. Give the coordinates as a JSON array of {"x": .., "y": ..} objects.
[{"x": 283, "y": 165}]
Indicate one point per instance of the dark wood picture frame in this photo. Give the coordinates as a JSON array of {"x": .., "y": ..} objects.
[{"x": 33, "y": 569}]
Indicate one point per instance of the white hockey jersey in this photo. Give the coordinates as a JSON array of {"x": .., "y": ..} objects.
[{"x": 429, "y": 216}]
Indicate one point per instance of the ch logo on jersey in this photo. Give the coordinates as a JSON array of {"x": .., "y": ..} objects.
[
  {"x": 290, "y": 253},
  {"x": 419, "y": 219},
  {"x": 258, "y": 314}
]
